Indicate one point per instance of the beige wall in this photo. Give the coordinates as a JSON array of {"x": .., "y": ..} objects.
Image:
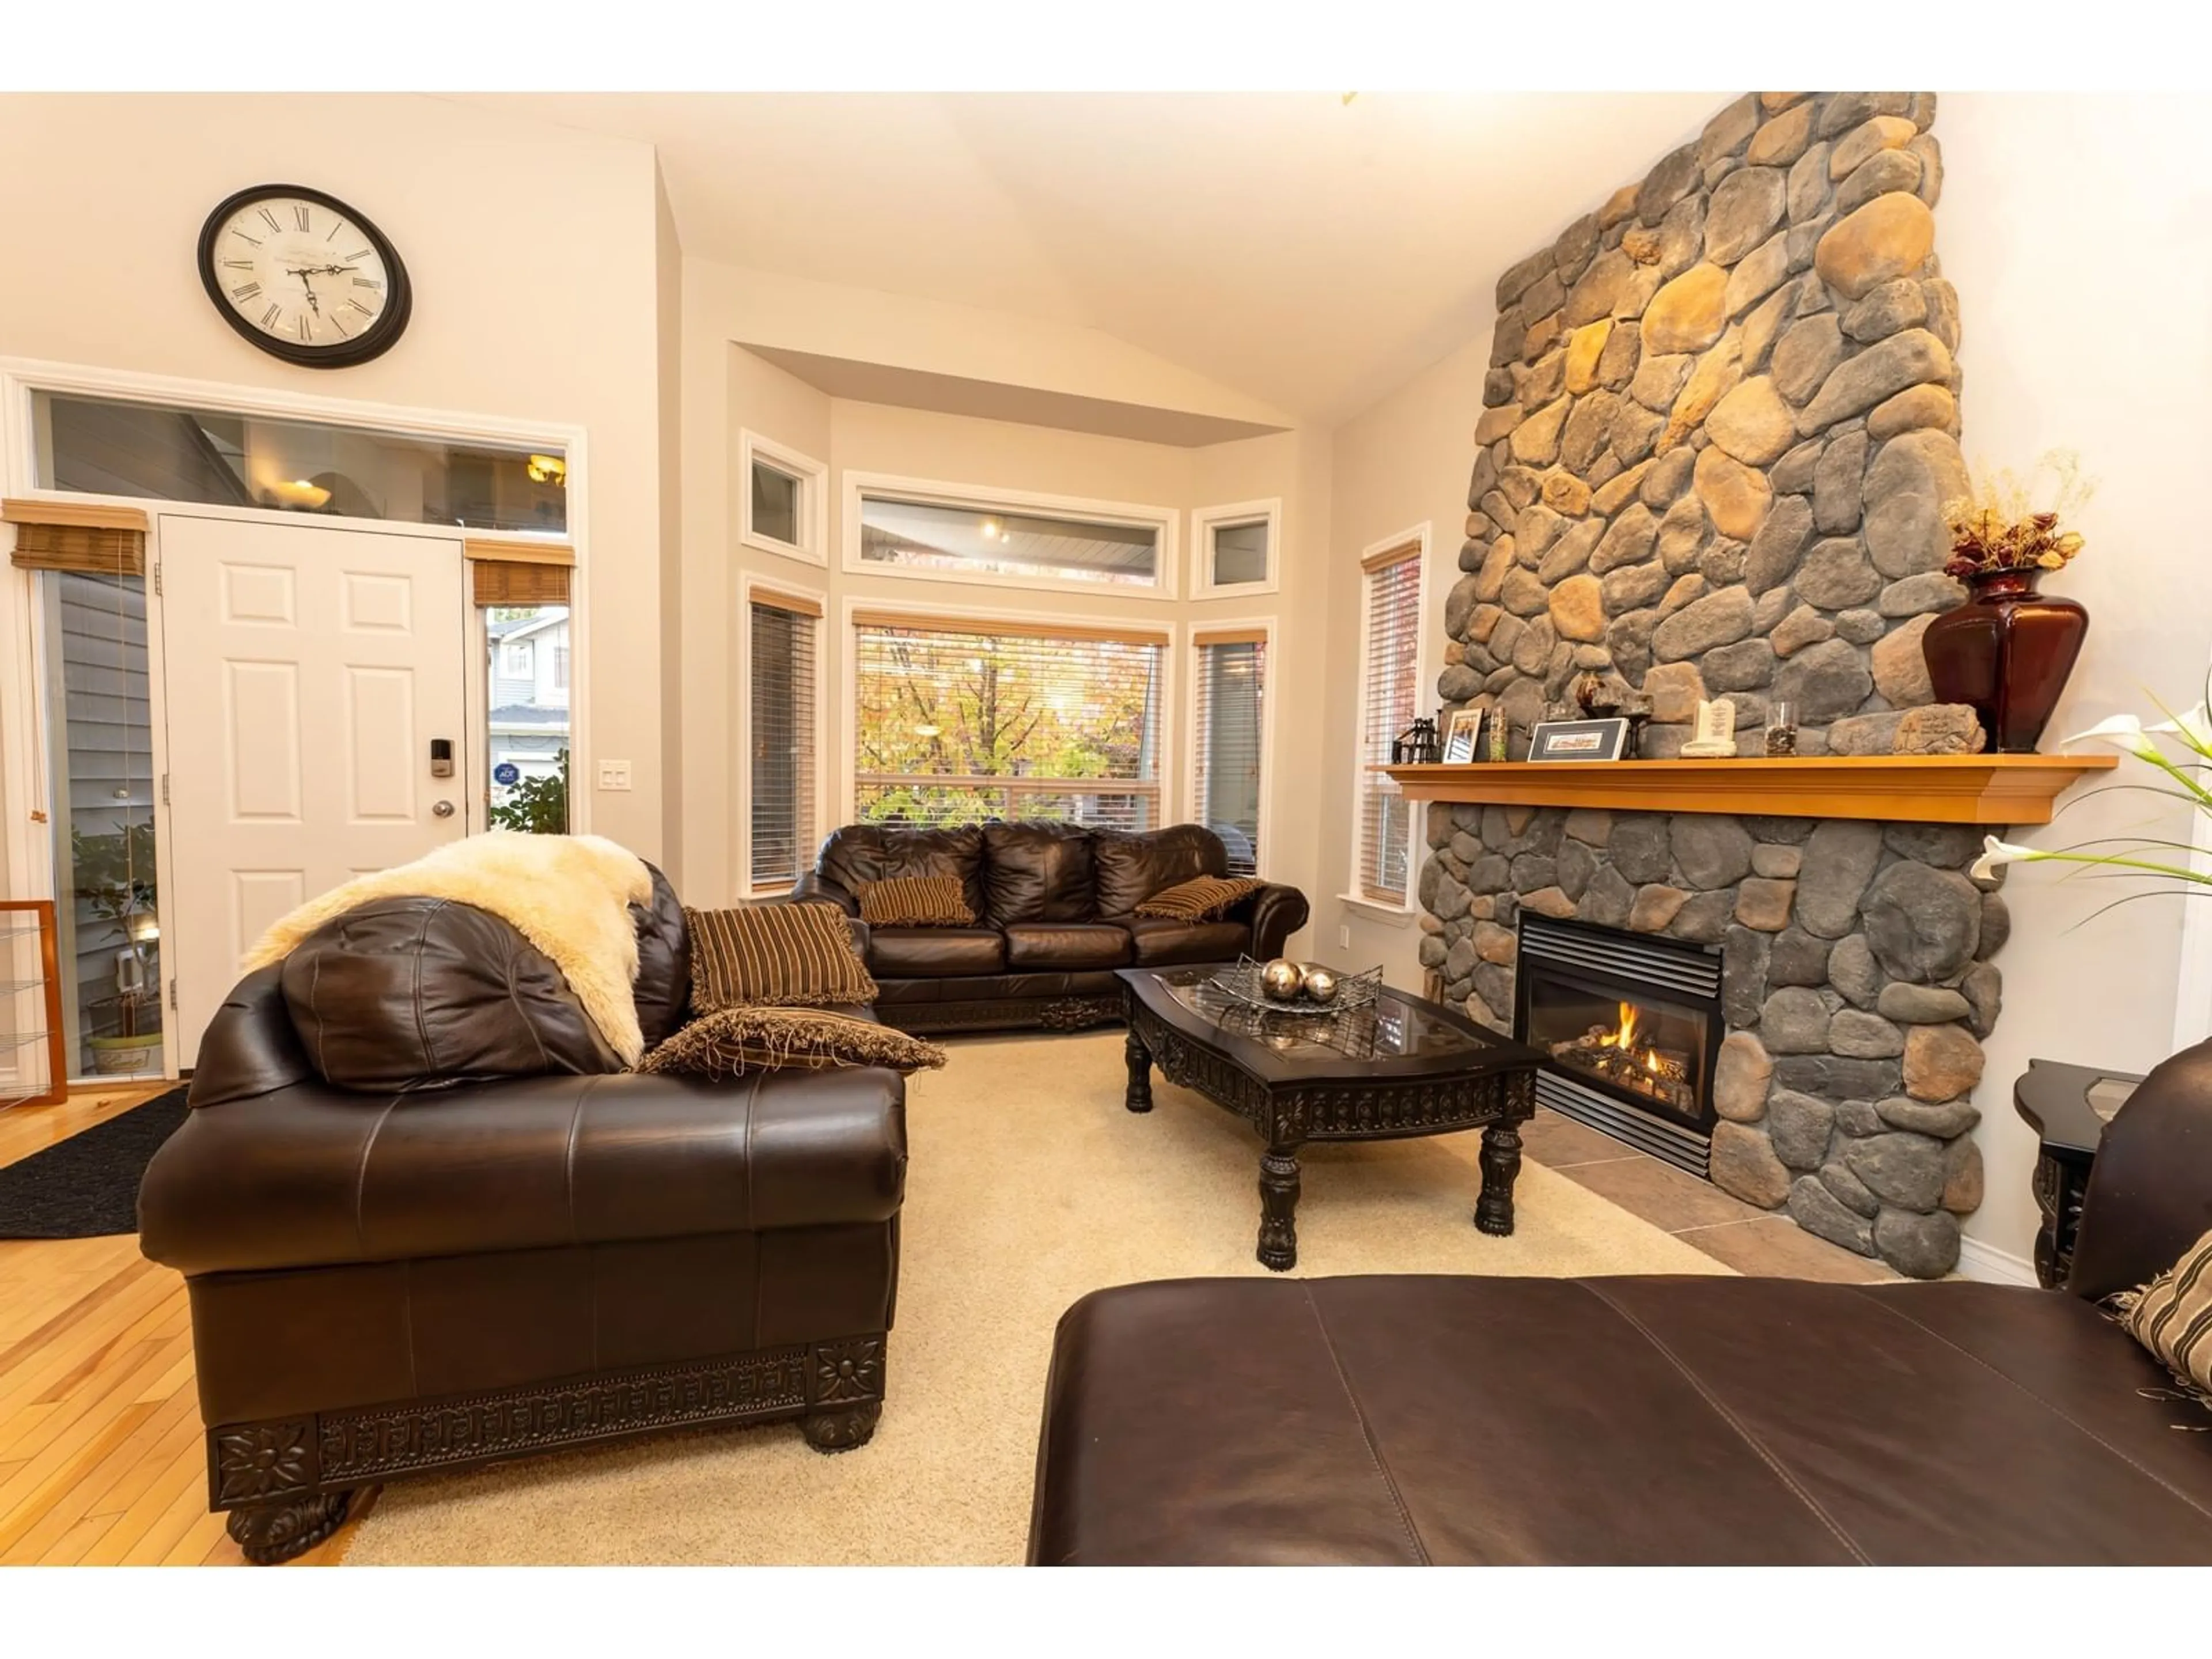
[
  {"x": 668, "y": 387},
  {"x": 532, "y": 248},
  {"x": 1402, "y": 464},
  {"x": 2078, "y": 240}
]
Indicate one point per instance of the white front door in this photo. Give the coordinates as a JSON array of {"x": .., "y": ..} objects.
[{"x": 308, "y": 671}]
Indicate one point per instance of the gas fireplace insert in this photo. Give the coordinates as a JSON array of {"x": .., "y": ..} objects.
[{"x": 1628, "y": 1025}]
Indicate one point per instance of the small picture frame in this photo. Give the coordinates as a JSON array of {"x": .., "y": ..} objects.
[
  {"x": 1579, "y": 740},
  {"x": 1464, "y": 738}
]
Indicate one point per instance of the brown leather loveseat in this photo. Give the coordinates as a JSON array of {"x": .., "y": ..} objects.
[
  {"x": 427, "y": 1222},
  {"x": 1649, "y": 1421},
  {"x": 1055, "y": 908}
]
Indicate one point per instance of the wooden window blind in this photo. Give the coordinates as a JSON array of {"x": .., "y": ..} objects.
[
  {"x": 781, "y": 741},
  {"x": 956, "y": 722},
  {"x": 1390, "y": 626},
  {"x": 496, "y": 581},
  {"x": 91, "y": 540},
  {"x": 1230, "y": 706}
]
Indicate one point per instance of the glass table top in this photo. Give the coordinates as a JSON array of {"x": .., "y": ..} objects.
[{"x": 1394, "y": 1026}]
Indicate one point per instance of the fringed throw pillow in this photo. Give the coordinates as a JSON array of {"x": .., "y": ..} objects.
[
  {"x": 916, "y": 902},
  {"x": 734, "y": 1042},
  {"x": 776, "y": 956},
  {"x": 2171, "y": 1316},
  {"x": 1206, "y": 898}
]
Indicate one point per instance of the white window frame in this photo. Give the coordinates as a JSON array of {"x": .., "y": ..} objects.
[
  {"x": 1417, "y": 843},
  {"x": 1033, "y": 622},
  {"x": 1193, "y": 804},
  {"x": 823, "y": 753},
  {"x": 813, "y": 545},
  {"x": 1204, "y": 520},
  {"x": 985, "y": 498},
  {"x": 516, "y": 661}
]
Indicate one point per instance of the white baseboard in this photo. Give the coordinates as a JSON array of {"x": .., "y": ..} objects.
[{"x": 1992, "y": 1265}]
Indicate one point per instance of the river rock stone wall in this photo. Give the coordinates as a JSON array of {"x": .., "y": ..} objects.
[{"x": 1721, "y": 423}]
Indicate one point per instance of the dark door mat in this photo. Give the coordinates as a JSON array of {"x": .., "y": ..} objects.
[{"x": 87, "y": 1187}]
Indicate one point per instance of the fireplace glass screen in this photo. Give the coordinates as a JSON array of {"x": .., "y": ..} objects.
[{"x": 1644, "y": 1045}]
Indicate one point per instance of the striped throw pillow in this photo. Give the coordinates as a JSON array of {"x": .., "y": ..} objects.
[
  {"x": 734, "y": 1042},
  {"x": 2171, "y": 1316},
  {"x": 916, "y": 902},
  {"x": 1206, "y": 898},
  {"x": 774, "y": 955}
]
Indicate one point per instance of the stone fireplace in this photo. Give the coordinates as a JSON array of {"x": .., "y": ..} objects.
[{"x": 1721, "y": 422}]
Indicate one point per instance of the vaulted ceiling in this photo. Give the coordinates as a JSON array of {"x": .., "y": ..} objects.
[{"x": 1309, "y": 251}]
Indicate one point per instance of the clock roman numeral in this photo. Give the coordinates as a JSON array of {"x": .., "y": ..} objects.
[
  {"x": 244, "y": 291},
  {"x": 238, "y": 265},
  {"x": 366, "y": 282},
  {"x": 272, "y": 218},
  {"x": 334, "y": 231},
  {"x": 360, "y": 253},
  {"x": 361, "y": 308},
  {"x": 299, "y": 213},
  {"x": 243, "y": 237},
  {"x": 269, "y": 317},
  {"x": 305, "y": 328},
  {"x": 338, "y": 325}
]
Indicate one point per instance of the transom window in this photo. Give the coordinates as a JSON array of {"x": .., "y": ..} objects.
[
  {"x": 958, "y": 721},
  {"x": 114, "y": 447},
  {"x": 1390, "y": 636},
  {"x": 1024, "y": 541},
  {"x": 1236, "y": 547},
  {"x": 782, "y": 507}
]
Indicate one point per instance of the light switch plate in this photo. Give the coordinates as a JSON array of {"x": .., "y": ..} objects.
[
  {"x": 1344, "y": 936},
  {"x": 614, "y": 774}
]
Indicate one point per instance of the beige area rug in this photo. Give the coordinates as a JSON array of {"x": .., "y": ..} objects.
[{"x": 1029, "y": 1185}]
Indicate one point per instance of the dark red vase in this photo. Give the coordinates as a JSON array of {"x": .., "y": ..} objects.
[{"x": 2006, "y": 653}]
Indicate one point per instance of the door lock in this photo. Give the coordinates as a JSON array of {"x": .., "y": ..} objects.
[
  {"x": 441, "y": 757},
  {"x": 443, "y": 809}
]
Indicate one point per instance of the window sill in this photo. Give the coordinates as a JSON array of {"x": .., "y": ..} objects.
[{"x": 1368, "y": 909}]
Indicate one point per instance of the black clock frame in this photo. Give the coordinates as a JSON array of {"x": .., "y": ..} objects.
[{"x": 373, "y": 342}]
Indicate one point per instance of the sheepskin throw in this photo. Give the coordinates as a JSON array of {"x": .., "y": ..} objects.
[
  {"x": 733, "y": 1041},
  {"x": 778, "y": 956},
  {"x": 916, "y": 902},
  {"x": 567, "y": 894},
  {"x": 2171, "y": 1316},
  {"x": 1203, "y": 898}
]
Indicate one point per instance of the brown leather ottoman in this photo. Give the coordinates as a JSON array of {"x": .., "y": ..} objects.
[{"x": 1647, "y": 1421}]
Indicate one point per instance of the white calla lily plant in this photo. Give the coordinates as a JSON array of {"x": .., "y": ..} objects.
[{"x": 2187, "y": 780}]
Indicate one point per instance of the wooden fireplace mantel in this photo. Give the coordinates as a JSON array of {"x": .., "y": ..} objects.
[{"x": 1992, "y": 789}]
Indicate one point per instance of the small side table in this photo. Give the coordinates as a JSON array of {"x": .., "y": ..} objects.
[{"x": 2068, "y": 1106}]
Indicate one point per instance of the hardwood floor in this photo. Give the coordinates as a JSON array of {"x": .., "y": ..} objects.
[{"x": 100, "y": 1453}]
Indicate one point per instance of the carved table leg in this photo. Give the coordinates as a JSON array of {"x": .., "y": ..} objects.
[
  {"x": 1140, "y": 1098},
  {"x": 269, "y": 1533},
  {"x": 843, "y": 1429},
  {"x": 1278, "y": 1209},
  {"x": 1501, "y": 1164}
]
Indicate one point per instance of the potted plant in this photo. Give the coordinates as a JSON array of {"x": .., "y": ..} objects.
[
  {"x": 115, "y": 880},
  {"x": 2006, "y": 652}
]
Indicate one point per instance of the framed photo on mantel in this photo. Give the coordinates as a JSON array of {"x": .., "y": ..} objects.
[
  {"x": 1463, "y": 740},
  {"x": 1579, "y": 740}
]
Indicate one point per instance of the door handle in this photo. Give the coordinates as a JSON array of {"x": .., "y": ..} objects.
[{"x": 443, "y": 809}]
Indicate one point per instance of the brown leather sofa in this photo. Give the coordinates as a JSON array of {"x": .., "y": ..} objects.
[
  {"x": 426, "y": 1222},
  {"x": 1652, "y": 1421},
  {"x": 1055, "y": 907}
]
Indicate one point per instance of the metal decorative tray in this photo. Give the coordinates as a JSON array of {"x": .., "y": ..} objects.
[{"x": 1242, "y": 984}]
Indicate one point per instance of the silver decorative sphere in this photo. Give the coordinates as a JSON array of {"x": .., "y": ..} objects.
[
  {"x": 1280, "y": 979},
  {"x": 1320, "y": 984}
]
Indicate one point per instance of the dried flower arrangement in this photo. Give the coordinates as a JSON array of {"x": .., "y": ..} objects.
[{"x": 2010, "y": 523}]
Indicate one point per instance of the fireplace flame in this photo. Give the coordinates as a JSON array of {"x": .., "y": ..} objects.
[{"x": 1623, "y": 1036}]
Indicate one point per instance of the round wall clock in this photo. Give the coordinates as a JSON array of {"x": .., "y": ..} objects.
[{"x": 304, "y": 276}]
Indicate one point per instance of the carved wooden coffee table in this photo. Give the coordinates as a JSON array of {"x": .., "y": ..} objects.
[{"x": 1404, "y": 1067}]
